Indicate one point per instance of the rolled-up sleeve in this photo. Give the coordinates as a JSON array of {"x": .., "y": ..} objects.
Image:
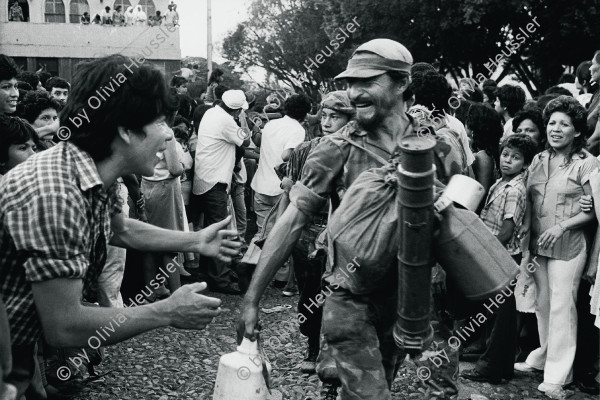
[
  {"x": 588, "y": 166},
  {"x": 323, "y": 165},
  {"x": 50, "y": 228}
]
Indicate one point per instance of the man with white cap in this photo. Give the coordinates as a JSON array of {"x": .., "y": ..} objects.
[
  {"x": 357, "y": 329},
  {"x": 218, "y": 136}
]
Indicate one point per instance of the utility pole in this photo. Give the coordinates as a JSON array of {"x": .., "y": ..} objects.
[{"x": 209, "y": 39}]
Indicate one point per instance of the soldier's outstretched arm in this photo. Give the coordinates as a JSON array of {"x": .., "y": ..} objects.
[{"x": 276, "y": 250}]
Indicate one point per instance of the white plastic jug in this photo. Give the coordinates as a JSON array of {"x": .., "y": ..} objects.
[{"x": 240, "y": 376}]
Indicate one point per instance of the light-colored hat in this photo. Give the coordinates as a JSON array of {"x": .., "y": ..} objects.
[
  {"x": 377, "y": 57},
  {"x": 235, "y": 99}
]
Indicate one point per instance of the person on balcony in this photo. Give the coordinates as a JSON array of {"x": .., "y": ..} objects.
[
  {"x": 106, "y": 16},
  {"x": 85, "y": 18},
  {"x": 16, "y": 12}
]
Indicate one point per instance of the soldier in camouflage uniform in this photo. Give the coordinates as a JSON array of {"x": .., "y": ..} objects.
[{"x": 358, "y": 329}]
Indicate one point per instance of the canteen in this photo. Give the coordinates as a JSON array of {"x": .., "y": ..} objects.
[
  {"x": 240, "y": 374},
  {"x": 464, "y": 191},
  {"x": 471, "y": 255}
]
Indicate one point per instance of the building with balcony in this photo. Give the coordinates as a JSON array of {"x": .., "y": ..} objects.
[{"x": 53, "y": 37}]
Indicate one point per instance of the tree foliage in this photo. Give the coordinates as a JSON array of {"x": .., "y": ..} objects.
[{"x": 460, "y": 36}]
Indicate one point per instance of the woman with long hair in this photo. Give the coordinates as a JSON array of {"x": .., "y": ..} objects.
[
  {"x": 484, "y": 125},
  {"x": 216, "y": 77}
]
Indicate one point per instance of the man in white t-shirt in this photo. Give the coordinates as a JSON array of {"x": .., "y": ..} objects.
[
  {"x": 218, "y": 136},
  {"x": 279, "y": 138}
]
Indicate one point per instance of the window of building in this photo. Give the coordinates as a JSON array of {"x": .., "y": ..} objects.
[
  {"x": 76, "y": 10},
  {"x": 148, "y": 7},
  {"x": 48, "y": 64},
  {"x": 18, "y": 10},
  {"x": 55, "y": 11},
  {"x": 21, "y": 62},
  {"x": 123, "y": 3}
]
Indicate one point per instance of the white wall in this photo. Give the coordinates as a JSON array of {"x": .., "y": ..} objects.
[{"x": 22, "y": 39}]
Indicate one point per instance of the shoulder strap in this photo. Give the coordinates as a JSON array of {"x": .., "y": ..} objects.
[{"x": 371, "y": 153}]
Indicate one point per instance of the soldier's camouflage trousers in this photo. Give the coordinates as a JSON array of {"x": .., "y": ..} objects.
[{"x": 358, "y": 336}]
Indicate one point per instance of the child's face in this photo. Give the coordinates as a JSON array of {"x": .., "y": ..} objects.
[
  {"x": 17, "y": 153},
  {"x": 511, "y": 162}
]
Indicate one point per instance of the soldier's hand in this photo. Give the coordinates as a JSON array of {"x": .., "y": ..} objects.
[
  {"x": 188, "y": 309},
  {"x": 248, "y": 323}
]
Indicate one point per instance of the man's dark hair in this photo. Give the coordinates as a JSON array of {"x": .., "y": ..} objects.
[
  {"x": 181, "y": 134},
  {"x": 44, "y": 76},
  {"x": 29, "y": 77},
  {"x": 486, "y": 125},
  {"x": 490, "y": 92},
  {"x": 489, "y": 83},
  {"x": 523, "y": 143},
  {"x": 179, "y": 120},
  {"x": 462, "y": 111},
  {"x": 432, "y": 90},
  {"x": 583, "y": 73},
  {"x": 511, "y": 97},
  {"x": 566, "y": 78},
  {"x": 8, "y": 68},
  {"x": 535, "y": 116},
  {"x": 34, "y": 103},
  {"x": 139, "y": 99},
  {"x": 542, "y": 101},
  {"x": 22, "y": 85},
  {"x": 219, "y": 90},
  {"x": 57, "y": 82},
  {"x": 297, "y": 106},
  {"x": 177, "y": 81},
  {"x": 198, "y": 114},
  {"x": 421, "y": 68},
  {"x": 186, "y": 105},
  {"x": 475, "y": 95},
  {"x": 559, "y": 90},
  {"x": 14, "y": 131}
]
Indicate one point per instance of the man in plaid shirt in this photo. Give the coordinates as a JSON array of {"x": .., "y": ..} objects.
[{"x": 59, "y": 210}]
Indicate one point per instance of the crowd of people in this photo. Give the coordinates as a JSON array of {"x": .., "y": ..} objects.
[
  {"x": 117, "y": 17},
  {"x": 132, "y": 16},
  {"x": 70, "y": 206}
]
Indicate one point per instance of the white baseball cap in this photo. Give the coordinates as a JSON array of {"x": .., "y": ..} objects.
[{"x": 235, "y": 99}]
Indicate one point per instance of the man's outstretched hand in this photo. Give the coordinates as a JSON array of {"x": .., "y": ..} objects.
[
  {"x": 188, "y": 309},
  {"x": 214, "y": 241}
]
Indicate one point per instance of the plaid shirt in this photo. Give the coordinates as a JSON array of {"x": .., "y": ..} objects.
[
  {"x": 506, "y": 200},
  {"x": 54, "y": 223}
]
